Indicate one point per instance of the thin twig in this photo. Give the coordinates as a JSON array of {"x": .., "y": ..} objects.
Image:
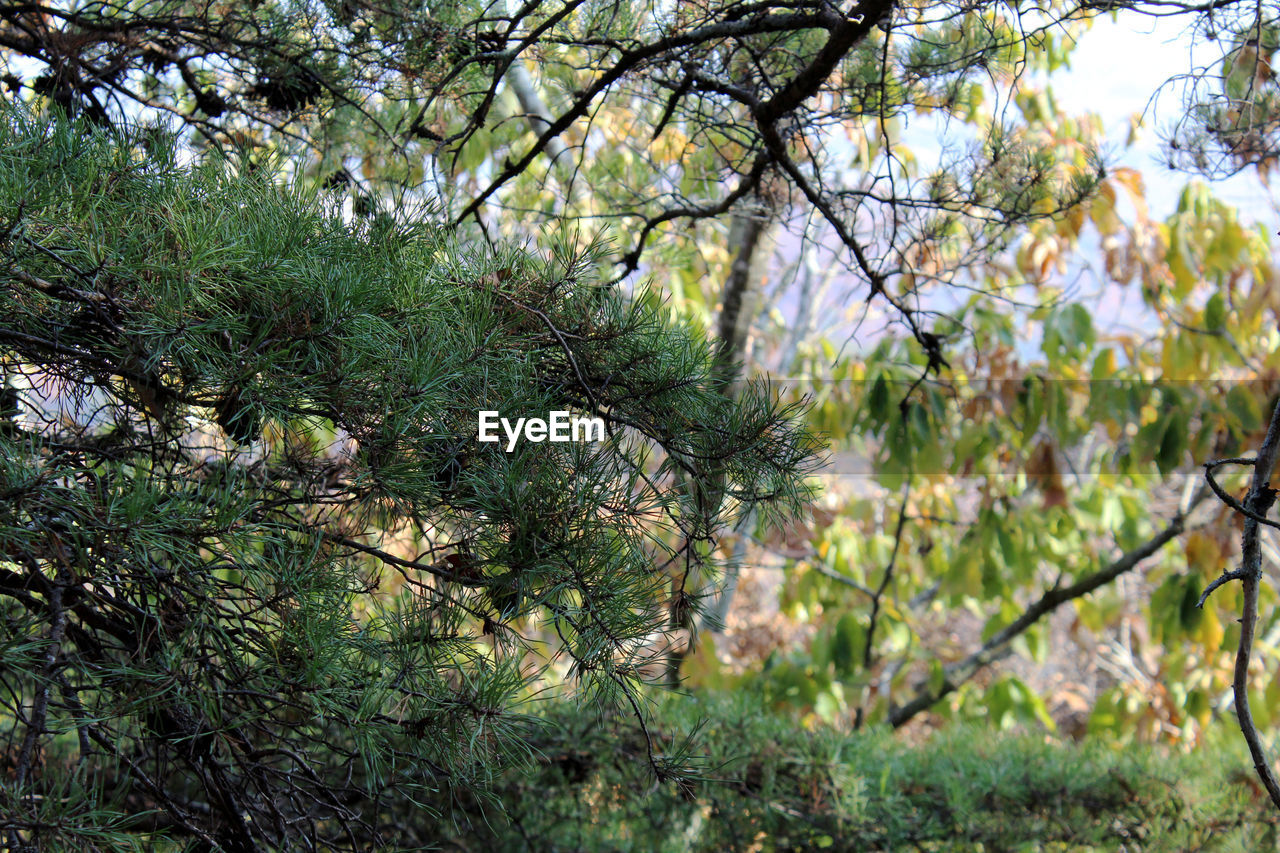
[
  {"x": 849, "y": 582},
  {"x": 40, "y": 707},
  {"x": 868, "y": 652},
  {"x": 1226, "y": 498},
  {"x": 1256, "y": 504}
]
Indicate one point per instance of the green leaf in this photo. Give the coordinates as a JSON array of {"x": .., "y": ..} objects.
[
  {"x": 937, "y": 676},
  {"x": 1243, "y": 404},
  {"x": 1190, "y": 616},
  {"x": 878, "y": 404},
  {"x": 1172, "y": 444},
  {"x": 1008, "y": 549},
  {"x": 1081, "y": 326},
  {"x": 1215, "y": 313},
  {"x": 847, "y": 645}
]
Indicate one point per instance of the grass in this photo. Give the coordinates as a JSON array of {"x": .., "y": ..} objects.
[{"x": 765, "y": 784}]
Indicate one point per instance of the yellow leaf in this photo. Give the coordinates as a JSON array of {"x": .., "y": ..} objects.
[
  {"x": 1203, "y": 554},
  {"x": 1210, "y": 632}
]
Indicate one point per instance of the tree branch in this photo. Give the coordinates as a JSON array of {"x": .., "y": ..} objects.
[
  {"x": 961, "y": 671},
  {"x": 1256, "y": 504}
]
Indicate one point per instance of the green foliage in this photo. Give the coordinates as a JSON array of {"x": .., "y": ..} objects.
[
  {"x": 771, "y": 786},
  {"x": 1230, "y": 121},
  {"x": 251, "y": 547},
  {"x": 1022, "y": 450},
  {"x": 1035, "y": 465}
]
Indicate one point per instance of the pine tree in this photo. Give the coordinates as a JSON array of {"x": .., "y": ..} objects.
[{"x": 260, "y": 585}]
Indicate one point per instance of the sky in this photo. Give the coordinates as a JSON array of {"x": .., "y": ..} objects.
[{"x": 1114, "y": 71}]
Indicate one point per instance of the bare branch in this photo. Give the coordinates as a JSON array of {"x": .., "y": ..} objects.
[{"x": 1260, "y": 499}]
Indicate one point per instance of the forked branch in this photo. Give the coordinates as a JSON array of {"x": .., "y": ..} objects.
[{"x": 1256, "y": 505}]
